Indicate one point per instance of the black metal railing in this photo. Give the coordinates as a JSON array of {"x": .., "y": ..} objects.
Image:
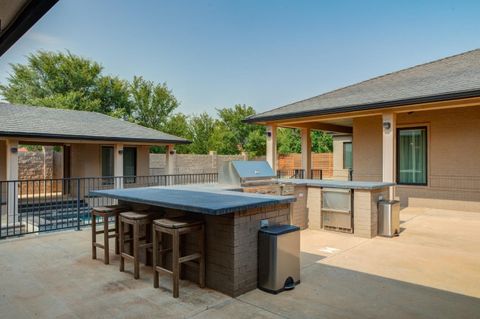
[{"x": 32, "y": 206}]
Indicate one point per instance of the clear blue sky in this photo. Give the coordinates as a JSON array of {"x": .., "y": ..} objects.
[{"x": 262, "y": 53}]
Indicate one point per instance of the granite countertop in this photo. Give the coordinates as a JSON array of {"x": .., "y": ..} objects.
[
  {"x": 203, "y": 199},
  {"x": 338, "y": 184}
]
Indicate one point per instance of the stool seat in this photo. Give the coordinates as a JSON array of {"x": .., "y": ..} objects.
[
  {"x": 110, "y": 209},
  {"x": 177, "y": 222},
  {"x": 135, "y": 215}
]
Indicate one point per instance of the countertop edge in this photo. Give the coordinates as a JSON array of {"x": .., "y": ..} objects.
[{"x": 196, "y": 209}]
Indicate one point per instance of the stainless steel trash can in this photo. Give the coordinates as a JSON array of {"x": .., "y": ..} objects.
[
  {"x": 278, "y": 258},
  {"x": 388, "y": 218}
]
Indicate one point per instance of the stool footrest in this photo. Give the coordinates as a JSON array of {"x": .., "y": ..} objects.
[
  {"x": 189, "y": 257},
  {"x": 98, "y": 245},
  {"x": 163, "y": 270}
]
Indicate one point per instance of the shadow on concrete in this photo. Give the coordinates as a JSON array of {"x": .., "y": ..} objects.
[{"x": 332, "y": 292}]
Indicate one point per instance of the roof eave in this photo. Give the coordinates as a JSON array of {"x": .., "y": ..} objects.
[
  {"x": 92, "y": 138},
  {"x": 369, "y": 106}
]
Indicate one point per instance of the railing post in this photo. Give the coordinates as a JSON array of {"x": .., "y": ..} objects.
[
  {"x": 321, "y": 173},
  {"x": 78, "y": 203},
  {"x": 350, "y": 174}
]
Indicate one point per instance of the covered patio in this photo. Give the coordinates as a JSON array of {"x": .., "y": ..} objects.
[{"x": 421, "y": 274}]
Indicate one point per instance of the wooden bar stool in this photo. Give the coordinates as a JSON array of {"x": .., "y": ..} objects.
[
  {"x": 105, "y": 212},
  {"x": 176, "y": 227},
  {"x": 134, "y": 220}
]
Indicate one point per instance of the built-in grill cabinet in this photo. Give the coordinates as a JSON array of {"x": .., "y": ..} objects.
[{"x": 337, "y": 211}]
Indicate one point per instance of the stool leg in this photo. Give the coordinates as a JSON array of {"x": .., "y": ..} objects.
[
  {"x": 175, "y": 265},
  {"x": 155, "y": 256},
  {"x": 148, "y": 239},
  {"x": 136, "y": 263},
  {"x": 94, "y": 236},
  {"x": 122, "y": 244},
  {"x": 201, "y": 268},
  {"x": 106, "y": 250},
  {"x": 117, "y": 248}
]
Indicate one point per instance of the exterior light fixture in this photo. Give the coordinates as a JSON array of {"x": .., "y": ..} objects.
[
  {"x": 172, "y": 152},
  {"x": 14, "y": 150},
  {"x": 387, "y": 125},
  {"x": 120, "y": 152},
  {"x": 269, "y": 134}
]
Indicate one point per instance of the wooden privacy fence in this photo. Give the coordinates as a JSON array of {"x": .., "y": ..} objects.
[{"x": 320, "y": 161}]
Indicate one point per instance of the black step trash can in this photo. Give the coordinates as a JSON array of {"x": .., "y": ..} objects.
[{"x": 278, "y": 258}]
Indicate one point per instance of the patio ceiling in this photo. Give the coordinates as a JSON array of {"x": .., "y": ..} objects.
[{"x": 16, "y": 17}]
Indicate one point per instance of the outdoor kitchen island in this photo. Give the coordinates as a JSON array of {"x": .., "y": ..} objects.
[
  {"x": 232, "y": 220},
  {"x": 348, "y": 206}
]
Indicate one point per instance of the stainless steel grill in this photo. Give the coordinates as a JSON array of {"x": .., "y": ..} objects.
[{"x": 253, "y": 177}]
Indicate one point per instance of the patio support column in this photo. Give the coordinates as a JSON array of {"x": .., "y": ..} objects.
[
  {"x": 272, "y": 146},
  {"x": 118, "y": 165},
  {"x": 12, "y": 175},
  {"x": 389, "y": 137},
  {"x": 170, "y": 159},
  {"x": 306, "y": 153}
]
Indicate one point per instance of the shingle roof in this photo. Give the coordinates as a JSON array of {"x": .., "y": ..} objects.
[
  {"x": 453, "y": 77},
  {"x": 34, "y": 121}
]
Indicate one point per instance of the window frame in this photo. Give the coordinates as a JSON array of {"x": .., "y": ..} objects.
[
  {"x": 131, "y": 179},
  {"x": 397, "y": 154},
  {"x": 107, "y": 180},
  {"x": 343, "y": 151}
]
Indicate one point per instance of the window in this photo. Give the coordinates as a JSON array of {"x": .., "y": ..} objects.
[
  {"x": 129, "y": 163},
  {"x": 412, "y": 156},
  {"x": 347, "y": 155},
  {"x": 107, "y": 165},
  {"x": 107, "y": 161}
]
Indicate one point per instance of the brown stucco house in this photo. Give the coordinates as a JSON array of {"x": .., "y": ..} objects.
[
  {"x": 418, "y": 127},
  {"x": 97, "y": 151}
]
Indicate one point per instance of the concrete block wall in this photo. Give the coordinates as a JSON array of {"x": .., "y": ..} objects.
[{"x": 191, "y": 163}]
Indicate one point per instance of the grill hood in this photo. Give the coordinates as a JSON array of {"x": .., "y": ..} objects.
[{"x": 241, "y": 172}]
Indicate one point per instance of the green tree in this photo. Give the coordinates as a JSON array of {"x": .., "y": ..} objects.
[
  {"x": 201, "y": 132},
  {"x": 153, "y": 103},
  {"x": 65, "y": 80},
  {"x": 322, "y": 142},
  {"x": 233, "y": 130},
  {"x": 256, "y": 142},
  {"x": 178, "y": 125}
]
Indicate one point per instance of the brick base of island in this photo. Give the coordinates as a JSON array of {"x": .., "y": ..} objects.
[
  {"x": 232, "y": 221},
  {"x": 232, "y": 247},
  {"x": 364, "y": 205}
]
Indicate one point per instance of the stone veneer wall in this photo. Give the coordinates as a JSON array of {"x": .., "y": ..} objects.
[{"x": 38, "y": 166}]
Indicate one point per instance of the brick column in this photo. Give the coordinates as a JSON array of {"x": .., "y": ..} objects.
[
  {"x": 118, "y": 165},
  {"x": 170, "y": 159},
  {"x": 388, "y": 148},
  {"x": 272, "y": 146}
]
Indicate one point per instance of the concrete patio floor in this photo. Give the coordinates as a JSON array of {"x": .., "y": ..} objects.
[{"x": 431, "y": 271}]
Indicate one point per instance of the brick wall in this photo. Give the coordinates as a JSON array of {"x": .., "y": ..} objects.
[
  {"x": 323, "y": 161},
  {"x": 232, "y": 247}
]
